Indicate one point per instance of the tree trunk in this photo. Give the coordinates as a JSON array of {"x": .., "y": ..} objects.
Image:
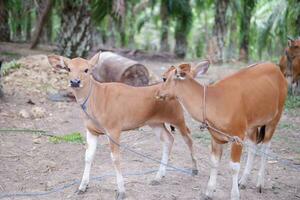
[
  {"x": 182, "y": 29},
  {"x": 28, "y": 27},
  {"x": 4, "y": 28},
  {"x": 42, "y": 21},
  {"x": 75, "y": 35},
  {"x": 164, "y": 16},
  {"x": 115, "y": 68},
  {"x": 219, "y": 31},
  {"x": 111, "y": 39},
  {"x": 248, "y": 6},
  {"x": 121, "y": 30},
  {"x": 46, "y": 34},
  {"x": 298, "y": 21},
  {"x": 181, "y": 44}
]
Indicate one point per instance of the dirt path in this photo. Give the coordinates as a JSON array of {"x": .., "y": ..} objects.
[{"x": 29, "y": 163}]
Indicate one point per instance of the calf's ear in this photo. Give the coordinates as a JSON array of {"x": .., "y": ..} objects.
[
  {"x": 290, "y": 41},
  {"x": 165, "y": 75},
  {"x": 95, "y": 59},
  {"x": 185, "y": 67},
  {"x": 200, "y": 68},
  {"x": 58, "y": 62}
]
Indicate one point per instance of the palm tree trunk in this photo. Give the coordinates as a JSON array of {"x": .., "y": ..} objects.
[
  {"x": 42, "y": 21},
  {"x": 75, "y": 35},
  {"x": 298, "y": 21},
  {"x": 111, "y": 39},
  {"x": 164, "y": 16},
  {"x": 182, "y": 29},
  {"x": 248, "y": 6},
  {"x": 28, "y": 27},
  {"x": 4, "y": 28},
  {"x": 219, "y": 30}
]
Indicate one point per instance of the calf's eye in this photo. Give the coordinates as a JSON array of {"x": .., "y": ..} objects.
[
  {"x": 86, "y": 70},
  {"x": 164, "y": 79}
]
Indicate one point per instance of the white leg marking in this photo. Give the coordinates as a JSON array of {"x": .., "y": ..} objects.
[
  {"x": 211, "y": 186},
  {"x": 89, "y": 156},
  {"x": 235, "y": 168},
  {"x": 167, "y": 146},
  {"x": 249, "y": 164},
  {"x": 120, "y": 179},
  {"x": 264, "y": 149}
]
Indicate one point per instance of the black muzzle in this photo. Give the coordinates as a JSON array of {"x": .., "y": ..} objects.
[{"x": 75, "y": 83}]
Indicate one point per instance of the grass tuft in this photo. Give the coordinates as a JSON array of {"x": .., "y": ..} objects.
[
  {"x": 70, "y": 138},
  {"x": 8, "y": 67},
  {"x": 292, "y": 102}
]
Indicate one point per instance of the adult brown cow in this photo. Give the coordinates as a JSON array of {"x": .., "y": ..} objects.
[
  {"x": 290, "y": 64},
  {"x": 111, "y": 108},
  {"x": 247, "y": 104}
]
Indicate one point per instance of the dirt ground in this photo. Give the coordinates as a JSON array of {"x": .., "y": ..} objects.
[{"x": 31, "y": 163}]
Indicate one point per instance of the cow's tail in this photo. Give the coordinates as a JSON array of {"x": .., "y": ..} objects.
[{"x": 260, "y": 134}]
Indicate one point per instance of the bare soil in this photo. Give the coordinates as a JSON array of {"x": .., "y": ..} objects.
[{"x": 31, "y": 163}]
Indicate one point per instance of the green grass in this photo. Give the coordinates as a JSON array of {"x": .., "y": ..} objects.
[
  {"x": 202, "y": 136},
  {"x": 287, "y": 126},
  {"x": 11, "y": 54},
  {"x": 292, "y": 102},
  {"x": 9, "y": 67},
  {"x": 70, "y": 138}
]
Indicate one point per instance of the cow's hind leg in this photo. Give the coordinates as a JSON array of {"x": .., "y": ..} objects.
[
  {"x": 261, "y": 173},
  {"x": 185, "y": 132},
  {"x": 251, "y": 147},
  {"x": 89, "y": 156},
  {"x": 167, "y": 139},
  {"x": 265, "y": 147}
]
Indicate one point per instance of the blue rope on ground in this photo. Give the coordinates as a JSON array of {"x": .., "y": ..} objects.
[{"x": 68, "y": 185}]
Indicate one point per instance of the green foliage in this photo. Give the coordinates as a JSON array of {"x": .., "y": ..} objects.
[
  {"x": 189, "y": 20},
  {"x": 101, "y": 8},
  {"x": 8, "y": 67},
  {"x": 70, "y": 138}
]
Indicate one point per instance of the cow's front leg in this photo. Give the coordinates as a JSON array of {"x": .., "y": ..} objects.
[
  {"x": 89, "y": 156},
  {"x": 236, "y": 151}
]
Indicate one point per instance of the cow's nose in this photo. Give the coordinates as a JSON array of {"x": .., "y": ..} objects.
[{"x": 75, "y": 83}]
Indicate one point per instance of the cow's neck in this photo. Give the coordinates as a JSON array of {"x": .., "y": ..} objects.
[{"x": 190, "y": 94}]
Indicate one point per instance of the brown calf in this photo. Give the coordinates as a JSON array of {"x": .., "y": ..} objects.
[
  {"x": 290, "y": 64},
  {"x": 239, "y": 105},
  {"x": 118, "y": 107}
]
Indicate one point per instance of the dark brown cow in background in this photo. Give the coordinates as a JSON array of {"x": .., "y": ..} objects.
[
  {"x": 1, "y": 93},
  {"x": 290, "y": 64}
]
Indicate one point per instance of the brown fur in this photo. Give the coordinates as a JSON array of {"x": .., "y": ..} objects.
[
  {"x": 237, "y": 105},
  {"x": 292, "y": 74},
  {"x": 118, "y": 107}
]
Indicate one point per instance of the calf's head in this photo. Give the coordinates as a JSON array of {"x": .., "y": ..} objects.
[
  {"x": 179, "y": 75},
  {"x": 292, "y": 70},
  {"x": 78, "y": 68}
]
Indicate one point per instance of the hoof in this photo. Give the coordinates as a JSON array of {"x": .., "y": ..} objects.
[
  {"x": 259, "y": 189},
  {"x": 154, "y": 182},
  {"x": 242, "y": 186},
  {"x": 120, "y": 195},
  {"x": 79, "y": 192},
  {"x": 195, "y": 172},
  {"x": 207, "y": 198}
]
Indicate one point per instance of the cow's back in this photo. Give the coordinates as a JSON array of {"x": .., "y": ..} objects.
[
  {"x": 132, "y": 107},
  {"x": 258, "y": 91}
]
